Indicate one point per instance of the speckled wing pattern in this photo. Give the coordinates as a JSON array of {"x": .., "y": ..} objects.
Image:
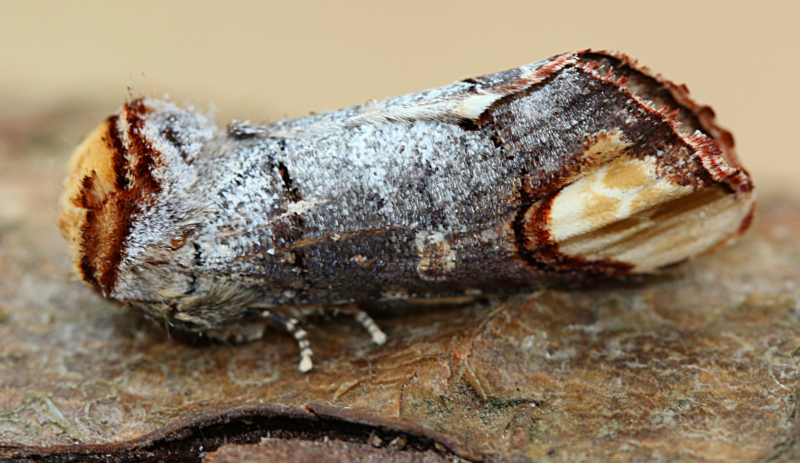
[{"x": 579, "y": 167}]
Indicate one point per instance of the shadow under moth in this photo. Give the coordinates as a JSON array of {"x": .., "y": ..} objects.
[{"x": 579, "y": 167}]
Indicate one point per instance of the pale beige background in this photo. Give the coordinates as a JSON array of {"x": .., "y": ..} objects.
[{"x": 267, "y": 60}]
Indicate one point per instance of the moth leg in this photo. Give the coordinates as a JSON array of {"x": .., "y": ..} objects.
[
  {"x": 291, "y": 325},
  {"x": 363, "y": 319}
]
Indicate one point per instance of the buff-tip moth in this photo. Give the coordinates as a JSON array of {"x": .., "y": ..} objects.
[{"x": 579, "y": 167}]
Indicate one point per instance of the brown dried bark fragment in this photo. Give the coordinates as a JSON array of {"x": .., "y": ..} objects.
[{"x": 696, "y": 365}]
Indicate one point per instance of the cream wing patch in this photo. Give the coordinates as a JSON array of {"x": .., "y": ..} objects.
[
  {"x": 613, "y": 192},
  {"x": 625, "y": 212}
]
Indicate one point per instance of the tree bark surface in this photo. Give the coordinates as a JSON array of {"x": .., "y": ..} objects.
[{"x": 697, "y": 364}]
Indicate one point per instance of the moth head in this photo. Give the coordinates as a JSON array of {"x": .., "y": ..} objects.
[{"x": 120, "y": 180}]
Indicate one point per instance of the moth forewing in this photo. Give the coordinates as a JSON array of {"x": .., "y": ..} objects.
[{"x": 579, "y": 167}]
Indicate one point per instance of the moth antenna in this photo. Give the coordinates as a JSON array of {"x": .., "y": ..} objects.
[{"x": 300, "y": 335}]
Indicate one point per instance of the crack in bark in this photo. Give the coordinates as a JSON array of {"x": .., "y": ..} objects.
[{"x": 191, "y": 444}]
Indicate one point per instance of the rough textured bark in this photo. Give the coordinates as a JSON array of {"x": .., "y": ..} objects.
[{"x": 699, "y": 364}]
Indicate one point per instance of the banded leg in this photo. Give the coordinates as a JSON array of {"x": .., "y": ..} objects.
[
  {"x": 363, "y": 319},
  {"x": 291, "y": 325}
]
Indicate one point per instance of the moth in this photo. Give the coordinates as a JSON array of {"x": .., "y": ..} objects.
[{"x": 572, "y": 169}]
